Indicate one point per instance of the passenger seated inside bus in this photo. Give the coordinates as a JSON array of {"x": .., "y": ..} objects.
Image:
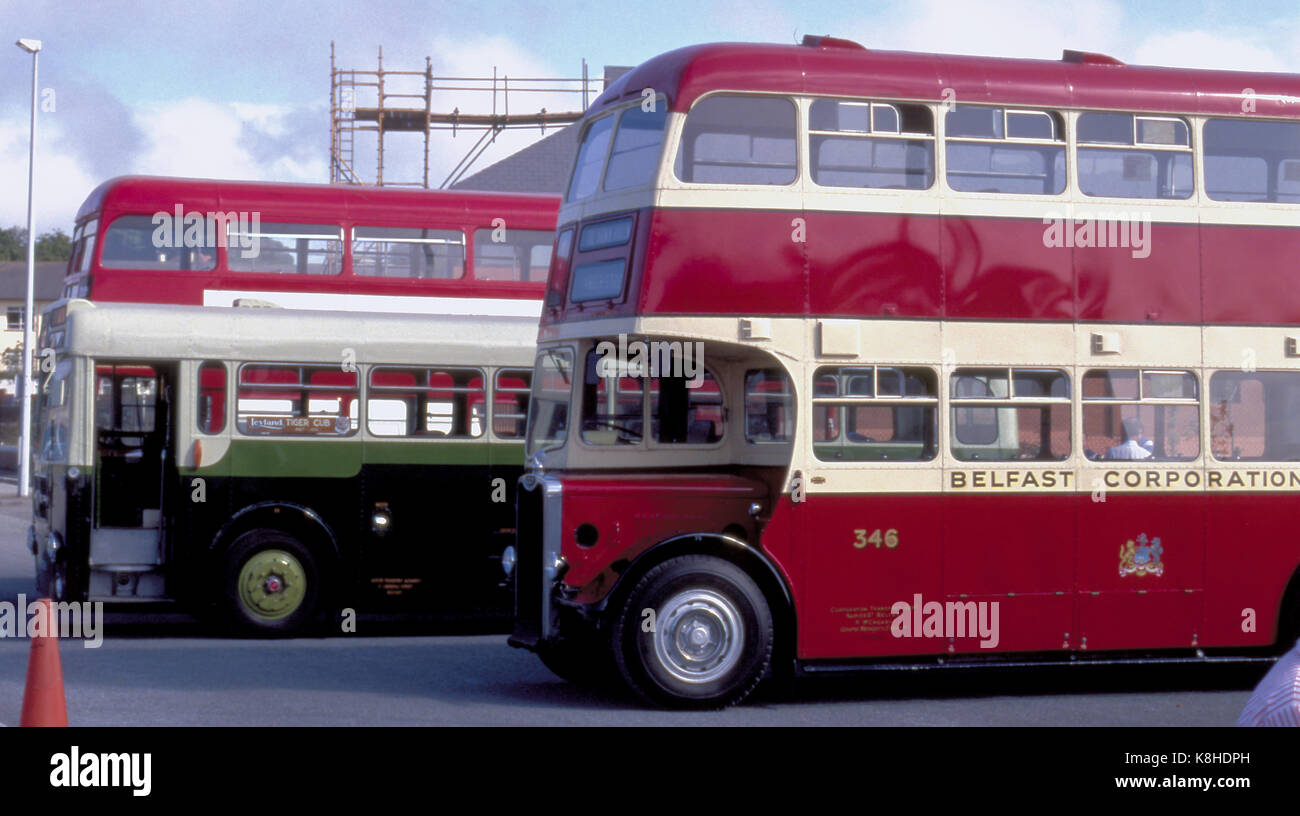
[{"x": 1135, "y": 445}]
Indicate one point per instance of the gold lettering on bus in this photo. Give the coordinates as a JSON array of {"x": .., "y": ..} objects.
[{"x": 1011, "y": 479}]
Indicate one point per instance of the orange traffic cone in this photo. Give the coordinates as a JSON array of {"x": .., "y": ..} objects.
[{"x": 44, "y": 702}]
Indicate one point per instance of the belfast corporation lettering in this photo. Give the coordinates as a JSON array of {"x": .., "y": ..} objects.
[
  {"x": 1011, "y": 479},
  {"x": 196, "y": 230}
]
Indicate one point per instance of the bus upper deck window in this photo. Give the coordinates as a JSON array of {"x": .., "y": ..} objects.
[
  {"x": 634, "y": 156},
  {"x": 732, "y": 139},
  {"x": 134, "y": 242}
]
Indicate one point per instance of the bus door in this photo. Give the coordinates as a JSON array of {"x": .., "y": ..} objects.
[{"x": 132, "y": 437}]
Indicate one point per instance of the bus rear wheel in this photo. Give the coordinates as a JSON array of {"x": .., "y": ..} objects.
[
  {"x": 272, "y": 584},
  {"x": 696, "y": 632}
]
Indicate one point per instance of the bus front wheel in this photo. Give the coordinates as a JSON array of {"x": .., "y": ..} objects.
[
  {"x": 273, "y": 584},
  {"x": 696, "y": 632}
]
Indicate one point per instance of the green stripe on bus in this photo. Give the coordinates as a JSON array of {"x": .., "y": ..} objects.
[{"x": 344, "y": 458}]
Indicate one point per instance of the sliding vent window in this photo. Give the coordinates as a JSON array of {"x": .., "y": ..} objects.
[
  {"x": 875, "y": 413},
  {"x": 510, "y": 402},
  {"x": 1125, "y": 156},
  {"x": 1141, "y": 414},
  {"x": 1001, "y": 414},
  {"x": 730, "y": 139},
  {"x": 999, "y": 150},
  {"x": 871, "y": 144},
  {"x": 1252, "y": 161},
  {"x": 285, "y": 249},
  {"x": 290, "y": 400},
  {"x": 399, "y": 252},
  {"x": 426, "y": 403}
]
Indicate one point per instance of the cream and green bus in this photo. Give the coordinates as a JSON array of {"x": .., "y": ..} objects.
[{"x": 273, "y": 465}]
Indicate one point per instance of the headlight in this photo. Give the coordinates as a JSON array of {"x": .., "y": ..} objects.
[{"x": 508, "y": 561}]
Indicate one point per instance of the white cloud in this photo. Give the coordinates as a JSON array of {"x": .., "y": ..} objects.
[
  {"x": 1006, "y": 28},
  {"x": 204, "y": 139},
  {"x": 61, "y": 182},
  {"x": 1203, "y": 49}
]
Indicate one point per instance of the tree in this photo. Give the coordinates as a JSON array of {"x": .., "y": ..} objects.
[
  {"x": 55, "y": 245},
  {"x": 13, "y": 244}
]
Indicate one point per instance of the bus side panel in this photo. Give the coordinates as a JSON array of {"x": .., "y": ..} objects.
[
  {"x": 1252, "y": 550},
  {"x": 1253, "y": 291},
  {"x": 1016, "y": 550},
  {"x": 1156, "y": 281},
  {"x": 874, "y": 264},
  {"x": 1141, "y": 570},
  {"x": 854, "y": 577},
  {"x": 434, "y": 552},
  {"x": 999, "y": 268},
  {"x": 750, "y": 251}
]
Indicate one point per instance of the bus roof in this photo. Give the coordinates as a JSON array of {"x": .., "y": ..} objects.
[
  {"x": 161, "y": 332},
  {"x": 356, "y": 202},
  {"x": 824, "y": 65}
]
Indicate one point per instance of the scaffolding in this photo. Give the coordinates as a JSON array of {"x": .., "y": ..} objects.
[{"x": 395, "y": 108}]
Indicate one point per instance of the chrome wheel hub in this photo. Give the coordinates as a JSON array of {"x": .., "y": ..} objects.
[{"x": 699, "y": 637}]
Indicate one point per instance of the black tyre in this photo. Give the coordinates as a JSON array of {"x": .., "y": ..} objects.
[
  {"x": 580, "y": 659},
  {"x": 272, "y": 584},
  {"x": 696, "y": 632}
]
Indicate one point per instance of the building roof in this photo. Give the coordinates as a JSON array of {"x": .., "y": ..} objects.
[
  {"x": 542, "y": 167},
  {"x": 49, "y": 280}
]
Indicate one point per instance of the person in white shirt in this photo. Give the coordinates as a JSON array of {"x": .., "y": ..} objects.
[{"x": 1130, "y": 448}]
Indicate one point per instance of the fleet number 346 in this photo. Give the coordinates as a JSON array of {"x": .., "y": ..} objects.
[{"x": 861, "y": 539}]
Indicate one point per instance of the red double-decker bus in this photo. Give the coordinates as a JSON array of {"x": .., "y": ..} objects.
[
  {"x": 312, "y": 246},
  {"x": 853, "y": 358}
]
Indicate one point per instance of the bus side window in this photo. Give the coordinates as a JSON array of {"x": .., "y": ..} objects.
[
  {"x": 212, "y": 398},
  {"x": 510, "y": 402}
]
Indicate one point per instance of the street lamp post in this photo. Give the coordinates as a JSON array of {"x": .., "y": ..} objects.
[{"x": 32, "y": 47}]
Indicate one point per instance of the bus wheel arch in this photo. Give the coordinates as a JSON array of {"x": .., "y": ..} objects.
[
  {"x": 277, "y": 570},
  {"x": 618, "y": 613},
  {"x": 1288, "y": 620}
]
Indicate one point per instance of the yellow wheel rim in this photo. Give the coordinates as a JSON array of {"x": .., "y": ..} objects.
[{"x": 272, "y": 585}]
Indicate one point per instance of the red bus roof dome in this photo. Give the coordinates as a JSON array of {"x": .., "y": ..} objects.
[{"x": 835, "y": 67}]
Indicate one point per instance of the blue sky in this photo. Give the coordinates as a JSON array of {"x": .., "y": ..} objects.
[{"x": 240, "y": 89}]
